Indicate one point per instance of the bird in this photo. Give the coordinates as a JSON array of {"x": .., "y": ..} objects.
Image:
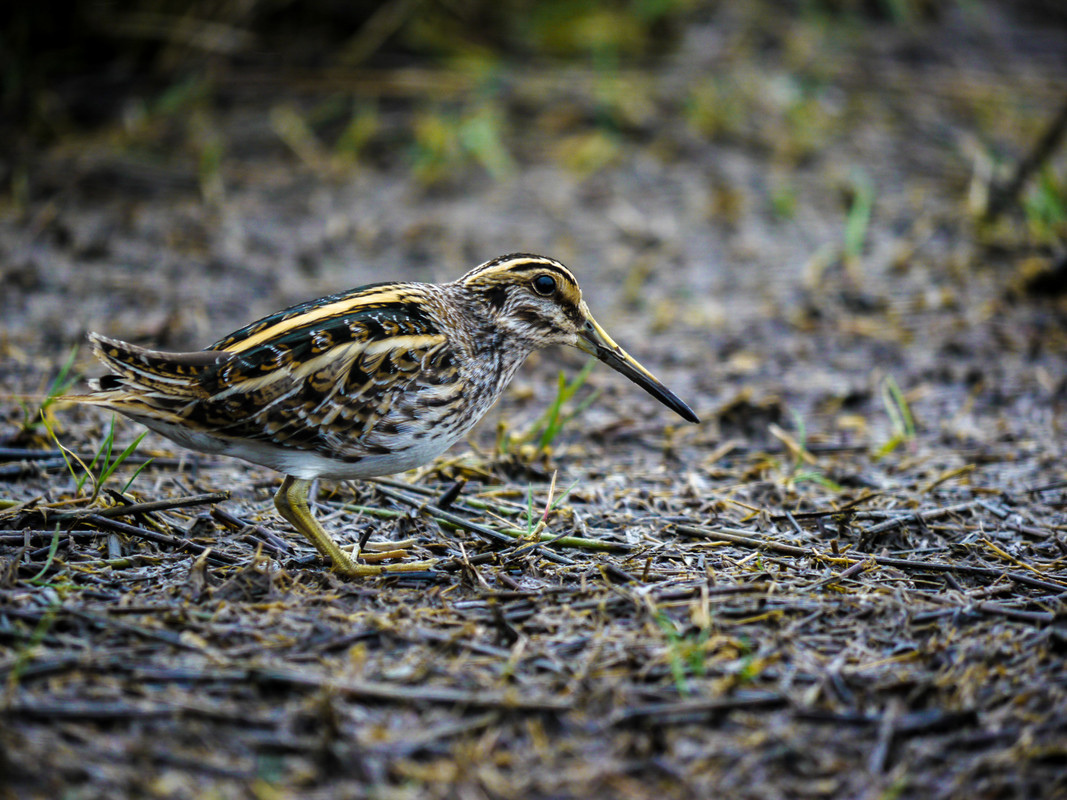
[{"x": 367, "y": 382}]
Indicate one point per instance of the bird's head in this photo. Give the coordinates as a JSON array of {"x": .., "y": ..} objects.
[{"x": 537, "y": 300}]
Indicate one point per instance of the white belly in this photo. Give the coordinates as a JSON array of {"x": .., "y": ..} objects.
[{"x": 307, "y": 464}]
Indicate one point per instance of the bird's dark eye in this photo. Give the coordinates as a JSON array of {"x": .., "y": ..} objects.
[{"x": 544, "y": 285}]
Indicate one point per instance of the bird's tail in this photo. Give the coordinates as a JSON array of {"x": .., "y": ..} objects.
[{"x": 137, "y": 373}]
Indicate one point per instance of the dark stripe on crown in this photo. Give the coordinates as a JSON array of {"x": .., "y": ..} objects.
[
  {"x": 541, "y": 266},
  {"x": 496, "y": 262},
  {"x": 527, "y": 262},
  {"x": 537, "y": 265}
]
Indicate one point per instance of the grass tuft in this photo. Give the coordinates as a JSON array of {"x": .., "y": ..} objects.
[
  {"x": 547, "y": 428},
  {"x": 902, "y": 423},
  {"x": 43, "y": 416},
  {"x": 102, "y": 466}
]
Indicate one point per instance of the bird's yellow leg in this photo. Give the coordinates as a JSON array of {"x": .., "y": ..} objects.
[{"x": 292, "y": 503}]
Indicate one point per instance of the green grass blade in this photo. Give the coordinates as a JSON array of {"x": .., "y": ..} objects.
[
  {"x": 109, "y": 469},
  {"x": 52, "y": 548},
  {"x": 859, "y": 215},
  {"x": 63, "y": 380},
  {"x": 59, "y": 386},
  {"x": 67, "y": 454},
  {"x": 555, "y": 503},
  {"x": 136, "y": 472}
]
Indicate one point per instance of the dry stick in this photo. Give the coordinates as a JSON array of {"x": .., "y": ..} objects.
[
  {"x": 12, "y": 536},
  {"x": 1043, "y": 149},
  {"x": 1027, "y": 530},
  {"x": 166, "y": 637},
  {"x": 106, "y": 710},
  {"x": 85, "y": 711},
  {"x": 494, "y": 536},
  {"x": 274, "y": 543},
  {"x": 406, "y": 745},
  {"x": 9, "y": 508},
  {"x": 389, "y": 692},
  {"x": 18, "y": 468},
  {"x": 696, "y": 710},
  {"x": 44, "y": 667},
  {"x": 471, "y": 504},
  {"x": 24, "y": 454},
  {"x": 742, "y": 538},
  {"x": 423, "y": 635},
  {"x": 477, "y": 505},
  {"x": 879, "y": 757},
  {"x": 1034, "y": 617},
  {"x": 674, "y": 593},
  {"x": 144, "y": 508},
  {"x": 456, "y": 564},
  {"x": 1045, "y": 487},
  {"x": 158, "y": 538},
  {"x": 855, "y": 569},
  {"x": 511, "y": 533},
  {"x": 367, "y": 690},
  {"x": 917, "y": 516},
  {"x": 489, "y": 534},
  {"x": 846, "y": 509}
]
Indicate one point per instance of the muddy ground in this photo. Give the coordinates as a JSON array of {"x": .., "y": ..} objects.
[{"x": 848, "y": 581}]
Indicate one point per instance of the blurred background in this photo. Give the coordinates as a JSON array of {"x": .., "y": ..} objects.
[{"x": 752, "y": 193}]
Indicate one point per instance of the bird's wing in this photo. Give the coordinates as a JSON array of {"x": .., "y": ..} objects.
[{"x": 289, "y": 379}]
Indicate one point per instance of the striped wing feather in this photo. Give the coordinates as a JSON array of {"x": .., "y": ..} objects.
[{"x": 321, "y": 375}]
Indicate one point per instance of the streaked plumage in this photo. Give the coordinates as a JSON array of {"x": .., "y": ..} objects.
[{"x": 363, "y": 383}]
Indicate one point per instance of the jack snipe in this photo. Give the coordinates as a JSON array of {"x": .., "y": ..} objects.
[{"x": 368, "y": 382}]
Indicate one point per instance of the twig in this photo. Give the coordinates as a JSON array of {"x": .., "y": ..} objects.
[
  {"x": 917, "y": 516},
  {"x": 19, "y": 468},
  {"x": 265, "y": 536},
  {"x": 490, "y": 534},
  {"x": 167, "y": 637},
  {"x": 26, "y": 454},
  {"x": 855, "y": 569},
  {"x": 846, "y": 509},
  {"x": 510, "y": 534},
  {"x": 29, "y": 535},
  {"x": 879, "y": 758},
  {"x": 158, "y": 538},
  {"x": 1045, "y": 487},
  {"x": 84, "y": 710},
  {"x": 1031, "y": 617},
  {"x": 683, "y": 592},
  {"x": 686, "y": 711},
  {"x": 393, "y": 693},
  {"x": 470, "y": 503},
  {"x": 408, "y": 744},
  {"x": 1004, "y": 196},
  {"x": 912, "y": 724},
  {"x": 742, "y": 538},
  {"x": 145, "y": 508}
]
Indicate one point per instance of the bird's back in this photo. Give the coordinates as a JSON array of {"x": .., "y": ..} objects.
[{"x": 360, "y": 383}]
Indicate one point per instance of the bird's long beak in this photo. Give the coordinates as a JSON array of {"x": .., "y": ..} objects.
[{"x": 594, "y": 340}]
